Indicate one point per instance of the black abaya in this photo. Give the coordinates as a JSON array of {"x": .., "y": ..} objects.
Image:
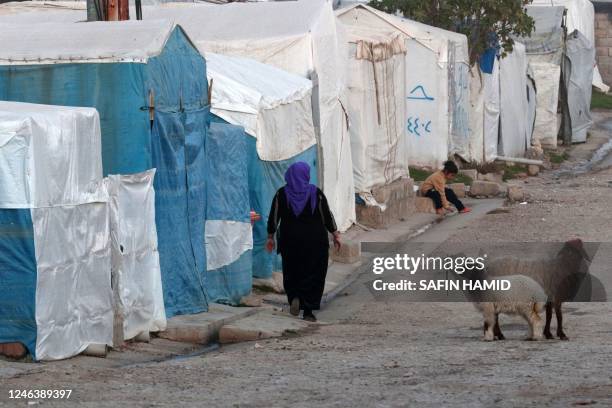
[{"x": 303, "y": 244}]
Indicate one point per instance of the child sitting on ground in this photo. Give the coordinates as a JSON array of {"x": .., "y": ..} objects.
[{"x": 435, "y": 188}]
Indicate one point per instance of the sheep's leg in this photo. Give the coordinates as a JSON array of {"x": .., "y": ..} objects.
[
  {"x": 559, "y": 314},
  {"x": 496, "y": 330},
  {"x": 489, "y": 323},
  {"x": 549, "y": 311}
]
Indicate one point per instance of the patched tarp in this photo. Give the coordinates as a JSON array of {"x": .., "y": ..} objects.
[
  {"x": 55, "y": 291},
  {"x": 229, "y": 237}
]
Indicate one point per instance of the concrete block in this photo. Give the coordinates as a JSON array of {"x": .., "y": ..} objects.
[
  {"x": 260, "y": 326},
  {"x": 203, "y": 328},
  {"x": 397, "y": 199},
  {"x": 13, "y": 350},
  {"x": 425, "y": 205},
  {"x": 516, "y": 193},
  {"x": 251, "y": 301},
  {"x": 533, "y": 170},
  {"x": 96, "y": 350},
  {"x": 481, "y": 188},
  {"x": 471, "y": 173},
  {"x": 458, "y": 188},
  {"x": 349, "y": 253}
]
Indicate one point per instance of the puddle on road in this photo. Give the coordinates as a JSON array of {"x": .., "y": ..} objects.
[{"x": 601, "y": 159}]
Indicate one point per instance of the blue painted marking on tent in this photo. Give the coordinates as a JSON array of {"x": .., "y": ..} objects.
[
  {"x": 422, "y": 96},
  {"x": 428, "y": 127},
  {"x": 416, "y": 127},
  {"x": 410, "y": 125}
]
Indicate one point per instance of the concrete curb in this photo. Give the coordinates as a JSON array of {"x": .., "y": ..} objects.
[{"x": 203, "y": 328}]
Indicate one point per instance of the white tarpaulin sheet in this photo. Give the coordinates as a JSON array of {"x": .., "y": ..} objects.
[
  {"x": 51, "y": 155},
  {"x": 135, "y": 259},
  {"x": 376, "y": 104},
  {"x": 484, "y": 113},
  {"x": 226, "y": 241},
  {"x": 128, "y": 41},
  {"x": 514, "y": 136},
  {"x": 437, "y": 85},
  {"x": 547, "y": 76},
  {"x": 73, "y": 292},
  {"x": 50, "y": 162},
  {"x": 580, "y": 52},
  {"x": 581, "y": 17},
  {"x": 300, "y": 37},
  {"x": 272, "y": 105}
]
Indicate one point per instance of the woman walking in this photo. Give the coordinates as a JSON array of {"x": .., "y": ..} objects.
[{"x": 305, "y": 220}]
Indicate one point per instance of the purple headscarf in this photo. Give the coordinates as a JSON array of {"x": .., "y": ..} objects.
[{"x": 298, "y": 189}]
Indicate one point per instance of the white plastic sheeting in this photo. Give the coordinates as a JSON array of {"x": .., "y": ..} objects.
[
  {"x": 135, "y": 259},
  {"x": 580, "y": 52},
  {"x": 581, "y": 17},
  {"x": 376, "y": 104},
  {"x": 546, "y": 76},
  {"x": 484, "y": 113},
  {"x": 226, "y": 241},
  {"x": 128, "y": 41},
  {"x": 73, "y": 290},
  {"x": 50, "y": 162},
  {"x": 272, "y": 105},
  {"x": 514, "y": 136},
  {"x": 545, "y": 53},
  {"x": 437, "y": 85},
  {"x": 300, "y": 37},
  {"x": 51, "y": 155}
]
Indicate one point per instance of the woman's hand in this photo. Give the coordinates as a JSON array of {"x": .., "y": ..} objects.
[
  {"x": 270, "y": 245},
  {"x": 337, "y": 243}
]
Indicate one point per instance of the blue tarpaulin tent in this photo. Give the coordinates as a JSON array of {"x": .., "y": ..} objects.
[{"x": 149, "y": 84}]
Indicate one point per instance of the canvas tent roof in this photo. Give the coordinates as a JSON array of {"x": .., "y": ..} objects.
[
  {"x": 273, "y": 105},
  {"x": 431, "y": 37},
  {"x": 129, "y": 41}
]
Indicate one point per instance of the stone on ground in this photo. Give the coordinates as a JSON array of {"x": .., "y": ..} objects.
[
  {"x": 533, "y": 170},
  {"x": 350, "y": 252},
  {"x": 458, "y": 188},
  {"x": 481, "y": 188},
  {"x": 425, "y": 205}
]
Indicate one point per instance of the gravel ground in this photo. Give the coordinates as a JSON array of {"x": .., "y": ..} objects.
[{"x": 393, "y": 354}]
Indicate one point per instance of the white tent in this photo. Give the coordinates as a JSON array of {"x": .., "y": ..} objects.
[
  {"x": 51, "y": 166},
  {"x": 437, "y": 85},
  {"x": 272, "y": 105},
  {"x": 484, "y": 113},
  {"x": 581, "y": 17},
  {"x": 515, "y": 136},
  {"x": 300, "y": 37},
  {"x": 555, "y": 56},
  {"x": 376, "y": 105}
]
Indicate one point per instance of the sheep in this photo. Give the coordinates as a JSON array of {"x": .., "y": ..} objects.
[
  {"x": 524, "y": 297},
  {"x": 560, "y": 277}
]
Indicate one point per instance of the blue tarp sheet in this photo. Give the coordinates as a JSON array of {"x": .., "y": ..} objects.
[
  {"x": 265, "y": 178},
  {"x": 17, "y": 279},
  {"x": 174, "y": 145},
  {"x": 228, "y": 200}
]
